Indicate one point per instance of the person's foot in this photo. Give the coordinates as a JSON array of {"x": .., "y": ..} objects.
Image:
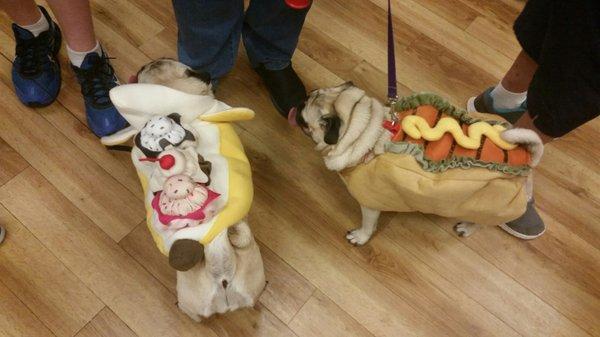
[
  {"x": 285, "y": 87},
  {"x": 528, "y": 226},
  {"x": 2, "y": 234},
  {"x": 485, "y": 103},
  {"x": 35, "y": 70},
  {"x": 96, "y": 77}
]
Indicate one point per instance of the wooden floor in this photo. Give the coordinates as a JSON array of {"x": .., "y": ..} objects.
[{"x": 79, "y": 261}]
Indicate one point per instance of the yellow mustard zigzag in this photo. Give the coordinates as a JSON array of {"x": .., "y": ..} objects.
[{"x": 417, "y": 128}]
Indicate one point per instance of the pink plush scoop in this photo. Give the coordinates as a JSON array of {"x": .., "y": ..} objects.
[{"x": 183, "y": 202}]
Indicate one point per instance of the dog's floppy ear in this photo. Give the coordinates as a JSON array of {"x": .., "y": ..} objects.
[
  {"x": 332, "y": 129},
  {"x": 201, "y": 75}
]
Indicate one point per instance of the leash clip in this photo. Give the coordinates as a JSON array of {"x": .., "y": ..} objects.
[{"x": 392, "y": 101}]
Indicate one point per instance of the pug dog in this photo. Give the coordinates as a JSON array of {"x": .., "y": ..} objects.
[
  {"x": 176, "y": 75},
  {"x": 348, "y": 128},
  {"x": 228, "y": 273}
]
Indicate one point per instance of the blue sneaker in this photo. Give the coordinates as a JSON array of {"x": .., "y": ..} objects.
[
  {"x": 96, "y": 77},
  {"x": 36, "y": 71},
  {"x": 485, "y": 103}
]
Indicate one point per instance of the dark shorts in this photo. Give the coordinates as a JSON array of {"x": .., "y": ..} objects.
[{"x": 563, "y": 37}]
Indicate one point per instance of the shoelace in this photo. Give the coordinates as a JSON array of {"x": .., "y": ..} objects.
[
  {"x": 97, "y": 80},
  {"x": 33, "y": 54}
]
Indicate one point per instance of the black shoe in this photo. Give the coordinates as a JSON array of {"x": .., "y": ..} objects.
[
  {"x": 285, "y": 87},
  {"x": 35, "y": 70},
  {"x": 96, "y": 77}
]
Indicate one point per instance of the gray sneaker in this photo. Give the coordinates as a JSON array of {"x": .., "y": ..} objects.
[
  {"x": 528, "y": 226},
  {"x": 2, "y": 233},
  {"x": 485, "y": 103}
]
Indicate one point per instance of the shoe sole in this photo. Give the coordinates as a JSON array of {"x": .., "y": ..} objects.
[
  {"x": 2, "y": 234},
  {"x": 522, "y": 236}
]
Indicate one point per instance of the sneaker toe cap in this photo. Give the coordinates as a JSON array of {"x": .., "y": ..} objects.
[
  {"x": 104, "y": 122},
  {"x": 39, "y": 91}
]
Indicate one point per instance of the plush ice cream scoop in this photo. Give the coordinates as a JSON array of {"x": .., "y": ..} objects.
[
  {"x": 183, "y": 202},
  {"x": 161, "y": 131}
]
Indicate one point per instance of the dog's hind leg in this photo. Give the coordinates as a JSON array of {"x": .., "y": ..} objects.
[
  {"x": 361, "y": 235},
  {"x": 465, "y": 228}
]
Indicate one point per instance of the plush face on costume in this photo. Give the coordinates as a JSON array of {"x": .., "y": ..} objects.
[
  {"x": 318, "y": 117},
  {"x": 176, "y": 75}
]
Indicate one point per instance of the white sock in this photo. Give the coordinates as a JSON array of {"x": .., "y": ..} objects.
[
  {"x": 76, "y": 57},
  {"x": 504, "y": 99},
  {"x": 39, "y": 27}
]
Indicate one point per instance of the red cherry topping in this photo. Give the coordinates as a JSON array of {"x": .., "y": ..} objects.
[{"x": 167, "y": 161}]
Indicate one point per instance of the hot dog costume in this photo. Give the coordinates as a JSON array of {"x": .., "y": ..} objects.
[
  {"x": 440, "y": 160},
  {"x": 175, "y": 133}
]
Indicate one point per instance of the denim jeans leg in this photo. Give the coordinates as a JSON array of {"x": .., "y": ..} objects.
[
  {"x": 271, "y": 31},
  {"x": 209, "y": 33}
]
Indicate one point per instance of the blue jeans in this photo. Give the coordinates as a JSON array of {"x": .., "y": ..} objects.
[{"x": 210, "y": 30}]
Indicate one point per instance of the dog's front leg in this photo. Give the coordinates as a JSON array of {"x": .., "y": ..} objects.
[{"x": 361, "y": 235}]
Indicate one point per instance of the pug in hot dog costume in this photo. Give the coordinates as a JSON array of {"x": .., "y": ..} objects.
[
  {"x": 424, "y": 156},
  {"x": 197, "y": 184}
]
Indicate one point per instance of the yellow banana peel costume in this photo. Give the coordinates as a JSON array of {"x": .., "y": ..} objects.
[{"x": 208, "y": 132}]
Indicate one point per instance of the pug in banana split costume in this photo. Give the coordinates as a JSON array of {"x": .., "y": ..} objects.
[
  {"x": 197, "y": 184},
  {"x": 434, "y": 158}
]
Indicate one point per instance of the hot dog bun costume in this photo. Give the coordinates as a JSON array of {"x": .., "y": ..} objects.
[
  {"x": 435, "y": 158},
  {"x": 195, "y": 175}
]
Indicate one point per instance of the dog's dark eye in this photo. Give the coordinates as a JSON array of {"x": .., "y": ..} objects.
[{"x": 323, "y": 123}]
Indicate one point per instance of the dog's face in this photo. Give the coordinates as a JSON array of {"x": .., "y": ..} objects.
[
  {"x": 176, "y": 75},
  {"x": 318, "y": 118}
]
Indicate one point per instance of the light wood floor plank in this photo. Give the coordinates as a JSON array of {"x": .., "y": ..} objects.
[
  {"x": 548, "y": 267},
  {"x": 52, "y": 292},
  {"x": 124, "y": 286},
  {"x": 11, "y": 163},
  {"x": 16, "y": 319},
  {"x": 125, "y": 17},
  {"x": 320, "y": 313},
  {"x": 257, "y": 321},
  {"x": 112, "y": 207},
  {"x": 106, "y": 324},
  {"x": 477, "y": 278},
  {"x": 448, "y": 35},
  {"x": 496, "y": 38},
  {"x": 422, "y": 63},
  {"x": 504, "y": 11}
]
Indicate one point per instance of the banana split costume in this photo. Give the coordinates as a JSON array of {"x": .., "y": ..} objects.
[
  {"x": 433, "y": 159},
  {"x": 191, "y": 164}
]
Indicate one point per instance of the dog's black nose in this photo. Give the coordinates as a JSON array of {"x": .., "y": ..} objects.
[{"x": 225, "y": 284}]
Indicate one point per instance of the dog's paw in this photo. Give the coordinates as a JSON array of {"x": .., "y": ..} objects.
[
  {"x": 465, "y": 229},
  {"x": 358, "y": 237}
]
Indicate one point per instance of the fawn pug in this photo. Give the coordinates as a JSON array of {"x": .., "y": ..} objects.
[{"x": 470, "y": 168}]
